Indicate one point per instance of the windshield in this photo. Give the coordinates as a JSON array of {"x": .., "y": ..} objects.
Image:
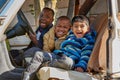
[{"x": 3, "y": 4}]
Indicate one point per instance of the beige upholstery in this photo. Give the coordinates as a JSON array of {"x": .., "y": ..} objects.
[
  {"x": 97, "y": 60},
  {"x": 50, "y": 73}
]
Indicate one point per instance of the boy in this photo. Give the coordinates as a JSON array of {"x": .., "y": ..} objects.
[
  {"x": 45, "y": 23},
  {"x": 57, "y": 34},
  {"x": 52, "y": 38},
  {"x": 74, "y": 52}
]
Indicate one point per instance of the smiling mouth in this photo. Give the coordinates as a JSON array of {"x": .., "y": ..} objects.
[
  {"x": 42, "y": 23},
  {"x": 79, "y": 34},
  {"x": 60, "y": 33}
]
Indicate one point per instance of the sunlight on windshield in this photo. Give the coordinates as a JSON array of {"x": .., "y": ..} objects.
[{"x": 3, "y": 4}]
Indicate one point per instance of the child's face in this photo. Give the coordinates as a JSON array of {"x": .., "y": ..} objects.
[
  {"x": 80, "y": 29},
  {"x": 46, "y": 18},
  {"x": 62, "y": 27}
]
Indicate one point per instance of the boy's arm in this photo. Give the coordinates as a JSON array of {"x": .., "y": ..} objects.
[
  {"x": 49, "y": 40},
  {"x": 85, "y": 55},
  {"x": 46, "y": 44}
]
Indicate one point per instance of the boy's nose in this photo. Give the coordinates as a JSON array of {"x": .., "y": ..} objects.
[
  {"x": 80, "y": 29},
  {"x": 61, "y": 28}
]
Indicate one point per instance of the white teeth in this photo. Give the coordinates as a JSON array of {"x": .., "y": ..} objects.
[
  {"x": 60, "y": 32},
  {"x": 42, "y": 23}
]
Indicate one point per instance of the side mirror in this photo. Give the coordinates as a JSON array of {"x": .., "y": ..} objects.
[{"x": 21, "y": 27}]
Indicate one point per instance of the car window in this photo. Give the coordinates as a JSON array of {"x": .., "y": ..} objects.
[{"x": 3, "y": 3}]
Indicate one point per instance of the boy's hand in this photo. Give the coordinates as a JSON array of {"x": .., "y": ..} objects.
[
  {"x": 79, "y": 69},
  {"x": 33, "y": 38}
]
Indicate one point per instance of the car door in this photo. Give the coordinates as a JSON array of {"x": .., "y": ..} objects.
[{"x": 8, "y": 10}]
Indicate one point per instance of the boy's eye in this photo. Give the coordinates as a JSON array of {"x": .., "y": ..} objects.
[
  {"x": 65, "y": 27},
  {"x": 47, "y": 17},
  {"x": 44, "y": 16},
  {"x": 76, "y": 26},
  {"x": 82, "y": 26},
  {"x": 58, "y": 26}
]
